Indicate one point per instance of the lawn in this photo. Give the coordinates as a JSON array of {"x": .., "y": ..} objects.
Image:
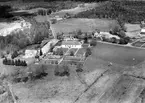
[
  {"x": 72, "y": 50},
  {"x": 119, "y": 54},
  {"x": 64, "y": 50},
  {"x": 86, "y": 25},
  {"x": 81, "y": 51}
]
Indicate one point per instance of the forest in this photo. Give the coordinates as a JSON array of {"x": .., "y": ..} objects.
[{"x": 129, "y": 11}]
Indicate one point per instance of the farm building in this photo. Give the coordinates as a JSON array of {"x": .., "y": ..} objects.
[{"x": 71, "y": 44}]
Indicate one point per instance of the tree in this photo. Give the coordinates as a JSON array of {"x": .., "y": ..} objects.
[
  {"x": 79, "y": 67},
  {"x": 12, "y": 63},
  {"x": 85, "y": 38},
  {"x": 41, "y": 52},
  {"x": 56, "y": 70},
  {"x": 121, "y": 41},
  {"x": 51, "y": 47},
  {"x": 59, "y": 52},
  {"x": 93, "y": 42},
  {"x": 116, "y": 29},
  {"x": 19, "y": 62},
  {"x": 5, "y": 9},
  {"x": 49, "y": 11},
  {"x": 88, "y": 52},
  {"x": 126, "y": 39},
  {"x": 71, "y": 53},
  {"x": 53, "y": 21},
  {"x": 113, "y": 40},
  {"x": 56, "y": 62},
  {"x": 121, "y": 23},
  {"x": 24, "y": 63},
  {"x": 60, "y": 36},
  {"x": 5, "y": 61},
  {"x": 121, "y": 34},
  {"x": 14, "y": 55},
  {"x": 79, "y": 32},
  {"x": 66, "y": 70}
]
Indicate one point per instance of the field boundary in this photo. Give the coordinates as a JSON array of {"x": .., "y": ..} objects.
[{"x": 121, "y": 45}]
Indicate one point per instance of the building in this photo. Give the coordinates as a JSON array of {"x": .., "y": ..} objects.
[
  {"x": 142, "y": 32},
  {"x": 106, "y": 35},
  {"x": 71, "y": 44},
  {"x": 45, "y": 49},
  {"x": 30, "y": 53}
]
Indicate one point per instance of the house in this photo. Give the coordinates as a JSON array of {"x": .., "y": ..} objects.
[
  {"x": 142, "y": 32},
  {"x": 106, "y": 35},
  {"x": 71, "y": 44}
]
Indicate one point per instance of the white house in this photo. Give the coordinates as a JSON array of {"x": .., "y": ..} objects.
[
  {"x": 71, "y": 44},
  {"x": 106, "y": 35}
]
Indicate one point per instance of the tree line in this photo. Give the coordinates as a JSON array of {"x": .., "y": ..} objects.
[
  {"x": 14, "y": 62},
  {"x": 114, "y": 9}
]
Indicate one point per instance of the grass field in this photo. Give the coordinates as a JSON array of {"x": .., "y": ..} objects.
[
  {"x": 86, "y": 25},
  {"x": 119, "y": 54}
]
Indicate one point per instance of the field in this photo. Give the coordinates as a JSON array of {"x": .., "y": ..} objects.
[
  {"x": 76, "y": 10},
  {"x": 119, "y": 54},
  {"x": 132, "y": 27},
  {"x": 86, "y": 25}
]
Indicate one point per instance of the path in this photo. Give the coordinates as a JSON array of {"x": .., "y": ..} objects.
[{"x": 64, "y": 55}]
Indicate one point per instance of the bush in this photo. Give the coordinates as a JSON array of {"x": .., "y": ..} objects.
[
  {"x": 61, "y": 70},
  {"x": 79, "y": 67},
  {"x": 36, "y": 71},
  {"x": 53, "y": 21},
  {"x": 71, "y": 53},
  {"x": 88, "y": 52}
]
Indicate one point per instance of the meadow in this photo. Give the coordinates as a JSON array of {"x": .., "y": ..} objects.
[{"x": 122, "y": 55}]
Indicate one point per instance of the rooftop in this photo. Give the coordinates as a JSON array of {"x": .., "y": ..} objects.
[{"x": 71, "y": 43}]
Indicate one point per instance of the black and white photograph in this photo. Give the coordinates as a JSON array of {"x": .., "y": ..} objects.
[{"x": 72, "y": 51}]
